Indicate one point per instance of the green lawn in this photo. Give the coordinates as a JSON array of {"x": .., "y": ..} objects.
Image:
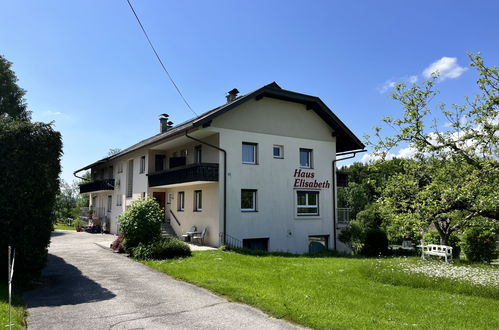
[
  {"x": 18, "y": 311},
  {"x": 61, "y": 226},
  {"x": 334, "y": 293}
]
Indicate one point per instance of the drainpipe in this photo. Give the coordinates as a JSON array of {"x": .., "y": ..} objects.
[
  {"x": 354, "y": 153},
  {"x": 225, "y": 180}
]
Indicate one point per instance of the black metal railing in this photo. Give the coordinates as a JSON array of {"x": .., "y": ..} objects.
[
  {"x": 230, "y": 241},
  {"x": 174, "y": 217},
  {"x": 106, "y": 184},
  {"x": 187, "y": 173}
]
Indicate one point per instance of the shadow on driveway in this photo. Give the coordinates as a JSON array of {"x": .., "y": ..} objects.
[
  {"x": 58, "y": 233},
  {"x": 64, "y": 284}
]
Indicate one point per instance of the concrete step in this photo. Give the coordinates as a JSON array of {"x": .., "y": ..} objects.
[{"x": 167, "y": 230}]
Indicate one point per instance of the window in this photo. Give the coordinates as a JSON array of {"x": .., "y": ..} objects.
[
  {"x": 248, "y": 200},
  {"x": 278, "y": 152},
  {"x": 307, "y": 203},
  {"x": 142, "y": 164},
  {"x": 249, "y": 153},
  {"x": 317, "y": 243},
  {"x": 256, "y": 243},
  {"x": 109, "y": 203},
  {"x": 197, "y": 154},
  {"x": 119, "y": 199},
  {"x": 198, "y": 205},
  {"x": 305, "y": 158},
  {"x": 181, "y": 199},
  {"x": 129, "y": 180},
  {"x": 120, "y": 167},
  {"x": 159, "y": 162}
]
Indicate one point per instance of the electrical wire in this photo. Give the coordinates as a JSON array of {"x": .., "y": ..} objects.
[{"x": 159, "y": 59}]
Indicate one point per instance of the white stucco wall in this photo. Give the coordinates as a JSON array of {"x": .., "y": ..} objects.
[{"x": 273, "y": 178}]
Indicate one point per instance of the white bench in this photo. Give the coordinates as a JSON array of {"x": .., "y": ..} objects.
[{"x": 437, "y": 250}]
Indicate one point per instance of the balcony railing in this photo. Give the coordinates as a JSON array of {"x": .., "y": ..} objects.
[
  {"x": 182, "y": 174},
  {"x": 343, "y": 215},
  {"x": 97, "y": 185}
]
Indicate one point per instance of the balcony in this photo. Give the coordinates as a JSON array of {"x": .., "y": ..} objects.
[
  {"x": 183, "y": 174},
  {"x": 97, "y": 185}
]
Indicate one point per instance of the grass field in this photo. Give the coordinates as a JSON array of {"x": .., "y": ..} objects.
[
  {"x": 339, "y": 293},
  {"x": 63, "y": 227},
  {"x": 18, "y": 310}
]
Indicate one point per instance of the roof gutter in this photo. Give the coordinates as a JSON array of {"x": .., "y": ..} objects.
[
  {"x": 225, "y": 181},
  {"x": 353, "y": 154}
]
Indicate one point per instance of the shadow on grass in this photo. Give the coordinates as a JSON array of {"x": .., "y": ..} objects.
[{"x": 64, "y": 284}]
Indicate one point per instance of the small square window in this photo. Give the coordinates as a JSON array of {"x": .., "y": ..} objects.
[
  {"x": 142, "y": 164},
  {"x": 278, "y": 152},
  {"x": 249, "y": 153},
  {"x": 305, "y": 158},
  {"x": 198, "y": 204},
  {"x": 248, "y": 200}
]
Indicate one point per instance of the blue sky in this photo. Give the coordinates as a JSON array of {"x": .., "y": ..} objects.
[{"x": 87, "y": 66}]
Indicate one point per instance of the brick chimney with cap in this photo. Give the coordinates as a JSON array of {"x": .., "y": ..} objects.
[
  {"x": 232, "y": 95},
  {"x": 164, "y": 123}
]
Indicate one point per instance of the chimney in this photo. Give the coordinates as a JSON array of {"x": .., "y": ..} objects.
[
  {"x": 232, "y": 95},
  {"x": 164, "y": 123}
]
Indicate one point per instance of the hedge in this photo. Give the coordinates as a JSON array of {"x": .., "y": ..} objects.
[{"x": 29, "y": 182}]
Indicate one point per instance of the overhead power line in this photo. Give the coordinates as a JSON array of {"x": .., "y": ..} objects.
[{"x": 159, "y": 59}]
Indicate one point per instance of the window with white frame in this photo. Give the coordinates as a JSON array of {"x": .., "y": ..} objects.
[
  {"x": 249, "y": 153},
  {"x": 198, "y": 201},
  {"x": 305, "y": 158},
  {"x": 142, "y": 164},
  {"x": 129, "y": 179},
  {"x": 181, "y": 201},
  {"x": 119, "y": 199},
  {"x": 278, "y": 152},
  {"x": 197, "y": 154},
  {"x": 248, "y": 200},
  {"x": 109, "y": 203},
  {"x": 307, "y": 203}
]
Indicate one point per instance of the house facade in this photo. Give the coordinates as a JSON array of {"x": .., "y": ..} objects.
[{"x": 258, "y": 172}]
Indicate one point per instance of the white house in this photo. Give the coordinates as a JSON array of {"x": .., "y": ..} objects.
[{"x": 257, "y": 171}]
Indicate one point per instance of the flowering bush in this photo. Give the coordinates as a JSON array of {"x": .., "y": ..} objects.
[{"x": 141, "y": 222}]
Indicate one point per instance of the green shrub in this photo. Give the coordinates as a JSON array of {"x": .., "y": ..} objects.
[
  {"x": 375, "y": 243},
  {"x": 141, "y": 222},
  {"x": 167, "y": 248},
  {"x": 29, "y": 182},
  {"x": 479, "y": 245}
]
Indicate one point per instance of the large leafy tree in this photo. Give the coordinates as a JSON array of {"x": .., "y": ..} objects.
[
  {"x": 12, "y": 102},
  {"x": 453, "y": 184}
]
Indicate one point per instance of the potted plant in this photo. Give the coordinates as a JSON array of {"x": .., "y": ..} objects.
[{"x": 77, "y": 223}]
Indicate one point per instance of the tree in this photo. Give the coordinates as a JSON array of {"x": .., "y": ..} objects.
[
  {"x": 12, "y": 102},
  {"x": 29, "y": 182},
  {"x": 453, "y": 183}
]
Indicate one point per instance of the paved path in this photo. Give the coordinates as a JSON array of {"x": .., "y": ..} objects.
[{"x": 85, "y": 286}]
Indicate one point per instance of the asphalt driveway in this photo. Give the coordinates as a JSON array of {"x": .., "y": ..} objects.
[{"x": 86, "y": 286}]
